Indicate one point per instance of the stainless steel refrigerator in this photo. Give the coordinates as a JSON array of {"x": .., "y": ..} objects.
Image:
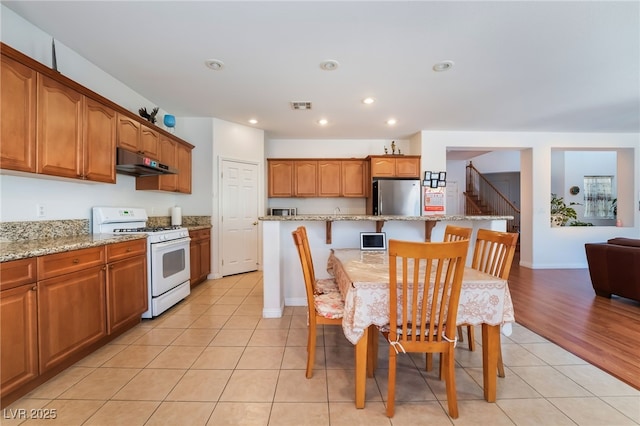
[{"x": 396, "y": 197}]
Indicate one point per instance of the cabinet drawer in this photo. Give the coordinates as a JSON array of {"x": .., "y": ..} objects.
[
  {"x": 53, "y": 265},
  {"x": 17, "y": 273},
  {"x": 126, "y": 249},
  {"x": 200, "y": 234}
]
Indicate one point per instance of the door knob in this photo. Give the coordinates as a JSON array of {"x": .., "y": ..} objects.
[{"x": 255, "y": 223}]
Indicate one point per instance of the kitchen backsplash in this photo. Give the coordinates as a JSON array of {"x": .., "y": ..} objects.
[{"x": 46, "y": 229}]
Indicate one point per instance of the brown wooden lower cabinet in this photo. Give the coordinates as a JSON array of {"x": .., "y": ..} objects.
[
  {"x": 71, "y": 314},
  {"x": 200, "y": 255},
  {"x": 18, "y": 337},
  {"x": 126, "y": 283},
  {"x": 58, "y": 308}
]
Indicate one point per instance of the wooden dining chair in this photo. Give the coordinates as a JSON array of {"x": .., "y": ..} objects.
[
  {"x": 424, "y": 290},
  {"x": 493, "y": 254},
  {"x": 456, "y": 233},
  {"x": 323, "y": 308},
  {"x": 323, "y": 285}
]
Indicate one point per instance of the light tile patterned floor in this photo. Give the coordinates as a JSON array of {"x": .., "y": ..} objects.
[{"x": 213, "y": 360}]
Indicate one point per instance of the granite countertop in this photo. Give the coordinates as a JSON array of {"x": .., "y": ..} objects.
[
  {"x": 14, "y": 250},
  {"x": 333, "y": 217}
]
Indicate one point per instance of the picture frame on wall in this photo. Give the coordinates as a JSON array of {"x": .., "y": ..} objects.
[
  {"x": 442, "y": 183},
  {"x": 427, "y": 175},
  {"x": 442, "y": 176},
  {"x": 434, "y": 183}
]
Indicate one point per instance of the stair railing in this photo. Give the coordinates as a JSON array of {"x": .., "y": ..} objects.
[{"x": 483, "y": 198}]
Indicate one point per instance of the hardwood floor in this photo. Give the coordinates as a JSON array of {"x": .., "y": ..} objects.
[{"x": 560, "y": 305}]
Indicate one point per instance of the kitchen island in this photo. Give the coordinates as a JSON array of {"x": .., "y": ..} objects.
[{"x": 283, "y": 282}]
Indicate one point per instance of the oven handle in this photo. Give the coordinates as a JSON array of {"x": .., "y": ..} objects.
[{"x": 166, "y": 244}]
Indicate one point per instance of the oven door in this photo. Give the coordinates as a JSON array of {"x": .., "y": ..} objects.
[{"x": 170, "y": 265}]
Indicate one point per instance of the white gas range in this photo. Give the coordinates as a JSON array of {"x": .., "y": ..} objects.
[{"x": 168, "y": 261}]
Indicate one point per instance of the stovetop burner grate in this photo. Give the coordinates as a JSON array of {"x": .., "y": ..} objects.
[{"x": 148, "y": 229}]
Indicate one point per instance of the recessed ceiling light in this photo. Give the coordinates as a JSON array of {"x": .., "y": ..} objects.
[
  {"x": 329, "y": 65},
  {"x": 443, "y": 66},
  {"x": 323, "y": 122},
  {"x": 214, "y": 64},
  {"x": 368, "y": 101},
  {"x": 391, "y": 121},
  {"x": 253, "y": 121}
]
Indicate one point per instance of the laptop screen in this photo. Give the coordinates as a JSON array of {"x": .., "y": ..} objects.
[{"x": 373, "y": 241}]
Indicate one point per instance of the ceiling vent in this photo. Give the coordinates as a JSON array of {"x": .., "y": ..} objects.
[{"x": 300, "y": 105}]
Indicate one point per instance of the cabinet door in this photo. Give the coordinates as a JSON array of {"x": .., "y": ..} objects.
[
  {"x": 184, "y": 168},
  {"x": 305, "y": 178},
  {"x": 280, "y": 178},
  {"x": 126, "y": 291},
  {"x": 408, "y": 167},
  {"x": 149, "y": 142},
  {"x": 99, "y": 142},
  {"x": 71, "y": 314},
  {"x": 18, "y": 337},
  {"x": 59, "y": 129},
  {"x": 128, "y": 133},
  {"x": 383, "y": 167},
  {"x": 205, "y": 257},
  {"x": 194, "y": 259},
  {"x": 200, "y": 255},
  {"x": 329, "y": 178},
  {"x": 17, "y": 116},
  {"x": 169, "y": 156},
  {"x": 354, "y": 175}
]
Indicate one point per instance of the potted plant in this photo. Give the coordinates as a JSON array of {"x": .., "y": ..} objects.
[{"x": 561, "y": 212}]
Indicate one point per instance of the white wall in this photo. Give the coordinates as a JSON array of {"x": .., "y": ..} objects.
[
  {"x": 541, "y": 245},
  {"x": 238, "y": 143}
]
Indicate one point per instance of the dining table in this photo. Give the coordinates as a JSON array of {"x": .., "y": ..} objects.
[{"x": 363, "y": 279}]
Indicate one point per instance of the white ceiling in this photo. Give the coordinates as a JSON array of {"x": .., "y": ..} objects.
[{"x": 519, "y": 66}]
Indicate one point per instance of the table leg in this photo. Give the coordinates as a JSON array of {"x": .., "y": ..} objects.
[
  {"x": 490, "y": 348},
  {"x": 372, "y": 351},
  {"x": 361, "y": 368}
]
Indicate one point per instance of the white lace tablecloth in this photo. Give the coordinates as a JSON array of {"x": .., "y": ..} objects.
[{"x": 363, "y": 277}]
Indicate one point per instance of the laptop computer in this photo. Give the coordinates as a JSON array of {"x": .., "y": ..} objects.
[{"x": 373, "y": 241}]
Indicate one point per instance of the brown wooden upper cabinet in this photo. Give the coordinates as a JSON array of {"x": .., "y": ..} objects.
[
  {"x": 77, "y": 138},
  {"x": 18, "y": 124},
  {"x": 305, "y": 178},
  {"x": 280, "y": 178},
  {"x": 52, "y": 125},
  {"x": 395, "y": 166},
  {"x": 137, "y": 137},
  {"x": 317, "y": 178}
]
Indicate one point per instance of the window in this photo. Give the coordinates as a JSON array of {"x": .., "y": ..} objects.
[{"x": 598, "y": 195}]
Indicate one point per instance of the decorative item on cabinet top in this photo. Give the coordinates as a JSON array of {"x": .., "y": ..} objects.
[{"x": 149, "y": 116}]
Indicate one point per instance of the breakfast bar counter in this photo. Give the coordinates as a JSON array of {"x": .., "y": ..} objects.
[{"x": 282, "y": 274}]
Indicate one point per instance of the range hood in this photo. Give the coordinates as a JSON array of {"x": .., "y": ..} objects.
[{"x": 134, "y": 164}]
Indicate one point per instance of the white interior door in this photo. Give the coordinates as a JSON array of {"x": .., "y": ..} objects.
[{"x": 239, "y": 248}]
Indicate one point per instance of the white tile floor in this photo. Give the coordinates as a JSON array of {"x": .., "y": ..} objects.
[{"x": 213, "y": 360}]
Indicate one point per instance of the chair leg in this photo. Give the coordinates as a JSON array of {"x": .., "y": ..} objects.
[
  {"x": 460, "y": 334},
  {"x": 391, "y": 394},
  {"x": 311, "y": 351},
  {"x": 428, "y": 362},
  {"x": 471, "y": 337},
  {"x": 450, "y": 382},
  {"x": 500, "y": 363}
]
